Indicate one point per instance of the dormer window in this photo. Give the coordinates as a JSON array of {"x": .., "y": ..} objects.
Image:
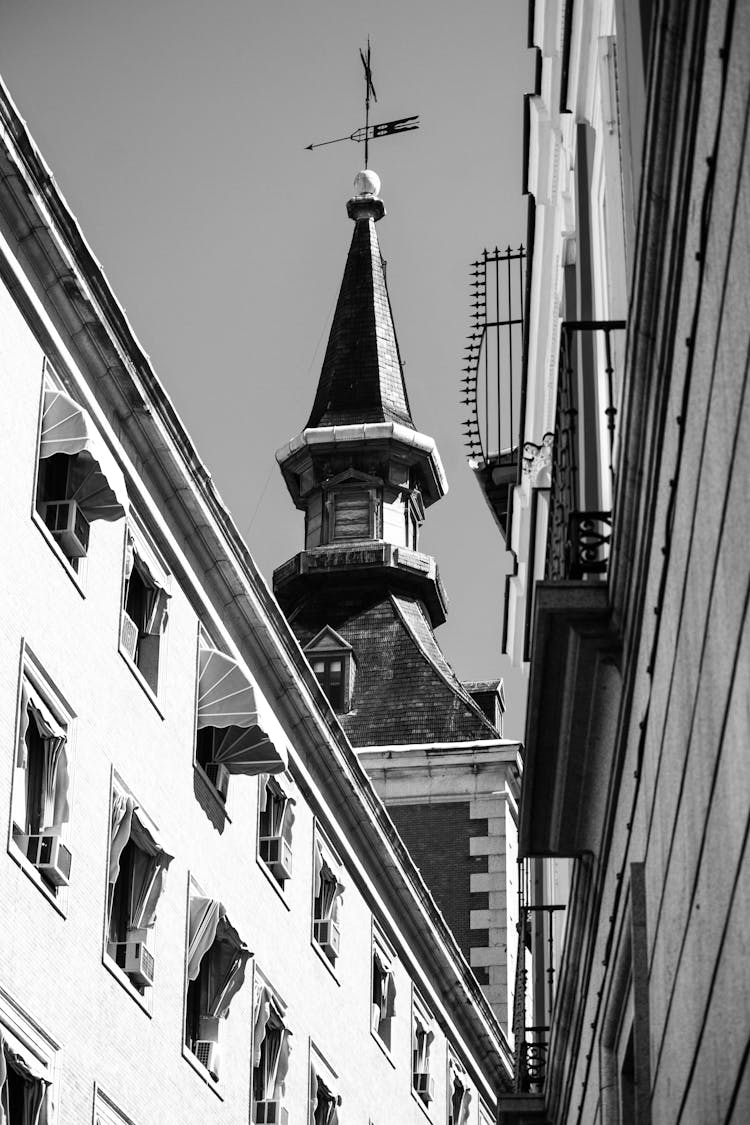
[{"x": 332, "y": 661}]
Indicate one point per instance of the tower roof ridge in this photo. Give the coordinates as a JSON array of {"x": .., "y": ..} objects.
[{"x": 362, "y": 379}]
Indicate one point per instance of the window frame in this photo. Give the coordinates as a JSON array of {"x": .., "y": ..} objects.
[
  {"x": 328, "y": 645},
  {"x": 142, "y": 995},
  {"x": 135, "y": 539},
  {"x": 194, "y": 889},
  {"x": 21, "y": 1030},
  {"x": 332, "y": 860},
  {"x": 421, "y": 1013},
  {"x": 77, "y": 574},
  {"x": 267, "y": 781},
  {"x": 260, "y": 979},
  {"x": 31, "y": 670},
  {"x": 319, "y": 1065},
  {"x": 382, "y": 947}
]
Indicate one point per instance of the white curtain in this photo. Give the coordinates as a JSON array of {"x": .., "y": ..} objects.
[
  {"x": 149, "y": 865},
  {"x": 460, "y": 1096},
  {"x": 157, "y": 597},
  {"x": 326, "y": 887},
  {"x": 325, "y": 1104},
  {"x": 210, "y": 931},
  {"x": 271, "y": 1043},
  {"x": 55, "y": 809},
  {"x": 383, "y": 989},
  {"x": 35, "y": 1109},
  {"x": 422, "y": 1042}
]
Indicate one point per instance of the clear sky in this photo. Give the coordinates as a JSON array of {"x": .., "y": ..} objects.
[{"x": 176, "y": 130}]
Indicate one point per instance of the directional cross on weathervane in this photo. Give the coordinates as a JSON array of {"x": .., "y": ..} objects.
[{"x": 369, "y": 132}]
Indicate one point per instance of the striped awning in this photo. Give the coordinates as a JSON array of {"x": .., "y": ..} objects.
[
  {"x": 226, "y": 702},
  {"x": 67, "y": 428}
]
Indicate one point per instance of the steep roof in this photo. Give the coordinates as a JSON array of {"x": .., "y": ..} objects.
[
  {"x": 405, "y": 690},
  {"x": 361, "y": 379}
]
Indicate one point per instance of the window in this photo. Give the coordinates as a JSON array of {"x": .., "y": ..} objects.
[
  {"x": 145, "y": 600},
  {"x": 135, "y": 881},
  {"x": 414, "y": 515},
  {"x": 383, "y": 988},
  {"x": 354, "y": 514},
  {"x": 423, "y": 1035},
  {"x": 459, "y": 1094},
  {"x": 229, "y": 739},
  {"x": 327, "y": 894},
  {"x": 332, "y": 661},
  {"x": 324, "y": 1099},
  {"x": 79, "y": 480},
  {"x": 217, "y": 958},
  {"x": 41, "y": 788},
  {"x": 107, "y": 1113},
  {"x": 271, "y": 1046},
  {"x": 330, "y": 673},
  {"x": 25, "y": 1083},
  {"x": 275, "y": 823}
]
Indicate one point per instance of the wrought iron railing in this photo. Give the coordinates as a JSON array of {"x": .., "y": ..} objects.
[
  {"x": 580, "y": 530},
  {"x": 536, "y": 941},
  {"x": 491, "y": 383}
]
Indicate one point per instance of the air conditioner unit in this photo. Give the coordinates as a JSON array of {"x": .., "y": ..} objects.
[
  {"x": 139, "y": 960},
  {"x": 68, "y": 525},
  {"x": 327, "y": 936},
  {"x": 218, "y": 775},
  {"x": 128, "y": 634},
  {"x": 207, "y": 1045},
  {"x": 270, "y": 1113},
  {"x": 276, "y": 852},
  {"x": 424, "y": 1085},
  {"x": 50, "y": 856}
]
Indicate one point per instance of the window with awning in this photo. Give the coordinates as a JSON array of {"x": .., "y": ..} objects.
[
  {"x": 79, "y": 479},
  {"x": 217, "y": 958},
  {"x": 41, "y": 808},
  {"x": 135, "y": 882},
  {"x": 229, "y": 736},
  {"x": 24, "y": 1085},
  {"x": 271, "y": 1050}
]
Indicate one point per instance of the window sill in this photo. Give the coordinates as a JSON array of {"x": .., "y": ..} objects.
[
  {"x": 59, "y": 902},
  {"x": 278, "y": 887},
  {"x": 383, "y": 1047},
  {"x": 425, "y": 1108},
  {"x": 62, "y": 558},
  {"x": 141, "y": 679},
  {"x": 122, "y": 978},
  {"x": 201, "y": 1071},
  {"x": 331, "y": 968}
]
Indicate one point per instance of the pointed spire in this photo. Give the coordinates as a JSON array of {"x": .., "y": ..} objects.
[{"x": 361, "y": 379}]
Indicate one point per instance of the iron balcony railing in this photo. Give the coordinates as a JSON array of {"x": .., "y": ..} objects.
[
  {"x": 537, "y": 958},
  {"x": 491, "y": 383},
  {"x": 580, "y": 526}
]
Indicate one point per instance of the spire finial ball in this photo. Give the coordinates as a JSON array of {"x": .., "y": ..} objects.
[{"x": 366, "y": 184}]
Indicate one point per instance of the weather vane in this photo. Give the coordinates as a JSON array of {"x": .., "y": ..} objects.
[{"x": 369, "y": 132}]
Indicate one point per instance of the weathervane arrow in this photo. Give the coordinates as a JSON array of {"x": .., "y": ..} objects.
[{"x": 368, "y": 132}]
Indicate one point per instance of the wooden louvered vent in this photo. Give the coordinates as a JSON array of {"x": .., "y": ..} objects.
[{"x": 351, "y": 515}]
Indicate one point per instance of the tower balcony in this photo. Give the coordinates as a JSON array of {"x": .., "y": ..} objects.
[{"x": 358, "y": 564}]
